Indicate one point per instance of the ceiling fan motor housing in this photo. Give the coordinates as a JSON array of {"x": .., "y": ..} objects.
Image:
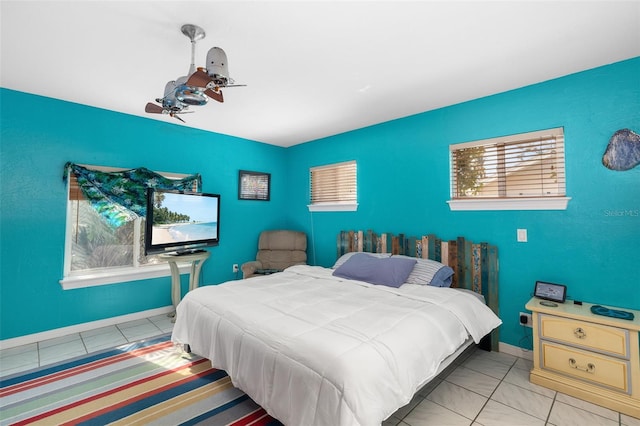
[
  {"x": 188, "y": 95},
  {"x": 217, "y": 67}
]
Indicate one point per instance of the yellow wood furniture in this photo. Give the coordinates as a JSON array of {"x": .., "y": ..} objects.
[{"x": 591, "y": 357}]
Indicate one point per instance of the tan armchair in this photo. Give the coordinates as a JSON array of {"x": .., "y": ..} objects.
[{"x": 277, "y": 250}]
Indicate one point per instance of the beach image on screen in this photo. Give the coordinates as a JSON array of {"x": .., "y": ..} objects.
[{"x": 181, "y": 218}]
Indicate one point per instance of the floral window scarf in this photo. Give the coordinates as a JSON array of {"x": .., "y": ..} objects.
[{"x": 120, "y": 197}]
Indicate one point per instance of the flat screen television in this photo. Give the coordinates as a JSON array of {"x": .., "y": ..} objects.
[{"x": 181, "y": 222}]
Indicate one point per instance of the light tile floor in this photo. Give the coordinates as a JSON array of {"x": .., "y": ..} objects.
[
  {"x": 489, "y": 388},
  {"x": 34, "y": 355},
  {"x": 479, "y": 389}
]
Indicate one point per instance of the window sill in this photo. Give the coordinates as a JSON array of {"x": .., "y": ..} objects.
[
  {"x": 542, "y": 203},
  {"x": 333, "y": 207},
  {"x": 120, "y": 275}
]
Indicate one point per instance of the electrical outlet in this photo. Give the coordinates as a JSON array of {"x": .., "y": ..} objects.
[
  {"x": 235, "y": 267},
  {"x": 525, "y": 319}
]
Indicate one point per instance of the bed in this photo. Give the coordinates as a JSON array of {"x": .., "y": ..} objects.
[{"x": 316, "y": 347}]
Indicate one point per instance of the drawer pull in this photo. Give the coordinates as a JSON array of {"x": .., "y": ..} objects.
[
  {"x": 590, "y": 368},
  {"x": 579, "y": 333}
]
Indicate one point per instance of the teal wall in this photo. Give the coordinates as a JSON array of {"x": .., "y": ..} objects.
[
  {"x": 403, "y": 186},
  {"x": 40, "y": 134}
]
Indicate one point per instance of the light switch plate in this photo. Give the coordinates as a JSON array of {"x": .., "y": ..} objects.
[{"x": 522, "y": 235}]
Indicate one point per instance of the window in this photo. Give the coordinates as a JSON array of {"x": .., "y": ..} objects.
[
  {"x": 518, "y": 172},
  {"x": 97, "y": 252},
  {"x": 334, "y": 187}
]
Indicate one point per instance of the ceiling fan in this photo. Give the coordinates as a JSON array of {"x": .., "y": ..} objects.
[{"x": 198, "y": 86}]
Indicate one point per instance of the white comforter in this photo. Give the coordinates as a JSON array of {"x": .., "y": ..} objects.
[{"x": 313, "y": 349}]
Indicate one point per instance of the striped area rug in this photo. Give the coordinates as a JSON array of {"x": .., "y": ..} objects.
[{"x": 148, "y": 382}]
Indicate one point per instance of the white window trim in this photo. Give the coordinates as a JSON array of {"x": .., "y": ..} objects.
[
  {"x": 333, "y": 207},
  {"x": 120, "y": 275},
  {"x": 542, "y": 203},
  {"x": 82, "y": 279},
  {"x": 532, "y": 203}
]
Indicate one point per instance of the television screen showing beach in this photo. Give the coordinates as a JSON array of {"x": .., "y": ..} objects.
[{"x": 177, "y": 218}]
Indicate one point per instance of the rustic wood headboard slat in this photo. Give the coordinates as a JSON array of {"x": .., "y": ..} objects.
[{"x": 476, "y": 265}]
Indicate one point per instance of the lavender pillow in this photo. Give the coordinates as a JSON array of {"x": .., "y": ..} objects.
[
  {"x": 391, "y": 271},
  {"x": 346, "y": 257}
]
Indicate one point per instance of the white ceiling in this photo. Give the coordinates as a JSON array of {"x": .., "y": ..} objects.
[{"x": 313, "y": 69}]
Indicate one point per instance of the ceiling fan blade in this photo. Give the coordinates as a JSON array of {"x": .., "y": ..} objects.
[
  {"x": 216, "y": 96},
  {"x": 199, "y": 79},
  {"x": 153, "y": 108},
  {"x": 176, "y": 116}
]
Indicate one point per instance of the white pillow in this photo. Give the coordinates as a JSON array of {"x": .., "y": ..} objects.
[
  {"x": 346, "y": 257},
  {"x": 430, "y": 272}
]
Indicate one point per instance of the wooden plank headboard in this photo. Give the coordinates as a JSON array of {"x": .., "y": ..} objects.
[{"x": 475, "y": 265}]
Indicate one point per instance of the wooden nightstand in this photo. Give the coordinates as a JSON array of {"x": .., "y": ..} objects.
[{"x": 591, "y": 357}]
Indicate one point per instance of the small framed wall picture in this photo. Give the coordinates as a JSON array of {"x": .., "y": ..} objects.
[{"x": 254, "y": 186}]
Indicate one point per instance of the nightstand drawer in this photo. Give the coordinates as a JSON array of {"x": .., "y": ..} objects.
[
  {"x": 601, "y": 338},
  {"x": 591, "y": 367}
]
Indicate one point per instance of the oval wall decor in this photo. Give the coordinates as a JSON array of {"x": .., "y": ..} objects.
[{"x": 623, "y": 151}]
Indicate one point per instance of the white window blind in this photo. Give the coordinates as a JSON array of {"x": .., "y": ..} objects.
[
  {"x": 526, "y": 166},
  {"x": 334, "y": 186}
]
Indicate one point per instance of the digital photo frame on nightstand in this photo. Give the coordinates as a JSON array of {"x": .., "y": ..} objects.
[{"x": 550, "y": 291}]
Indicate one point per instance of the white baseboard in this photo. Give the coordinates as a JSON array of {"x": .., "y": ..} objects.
[
  {"x": 79, "y": 328},
  {"x": 515, "y": 351}
]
